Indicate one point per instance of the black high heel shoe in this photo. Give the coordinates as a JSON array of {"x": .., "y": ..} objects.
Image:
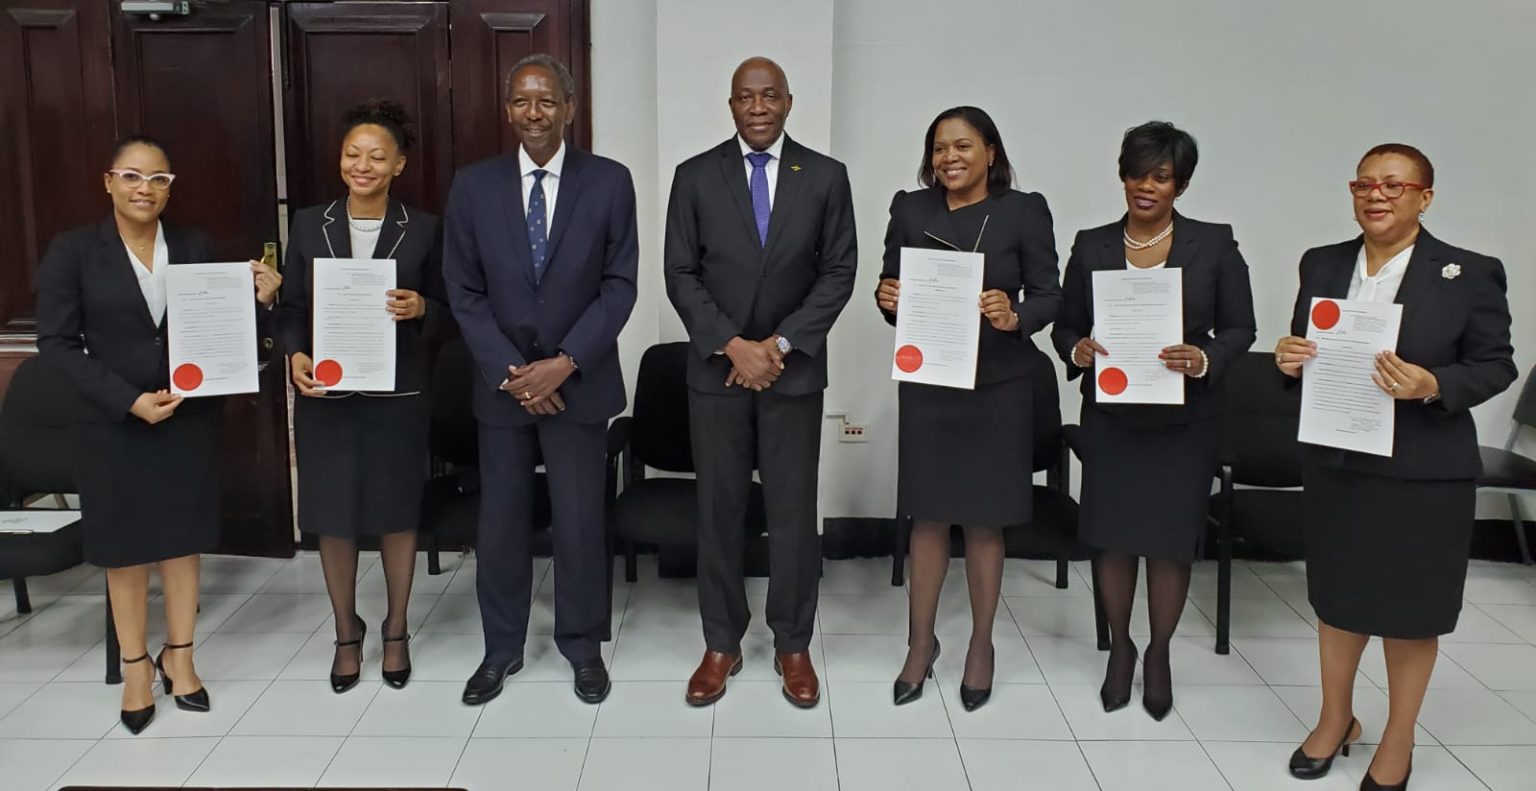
[
  {"x": 903, "y": 692},
  {"x": 1117, "y": 696},
  {"x": 192, "y": 701},
  {"x": 397, "y": 678},
  {"x": 138, "y": 719},
  {"x": 973, "y": 698},
  {"x": 1158, "y": 705},
  {"x": 1369, "y": 783},
  {"x": 341, "y": 682},
  {"x": 1305, "y": 767}
]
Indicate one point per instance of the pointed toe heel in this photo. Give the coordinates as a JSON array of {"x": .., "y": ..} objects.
[
  {"x": 195, "y": 701},
  {"x": 904, "y": 692},
  {"x": 138, "y": 719}
]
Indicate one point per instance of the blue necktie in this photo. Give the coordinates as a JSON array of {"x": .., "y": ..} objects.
[
  {"x": 538, "y": 233},
  {"x": 761, "y": 208}
]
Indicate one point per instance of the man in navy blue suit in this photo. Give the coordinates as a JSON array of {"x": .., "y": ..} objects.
[{"x": 540, "y": 257}]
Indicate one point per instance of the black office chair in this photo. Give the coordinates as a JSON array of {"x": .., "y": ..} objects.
[
  {"x": 1054, "y": 526},
  {"x": 1509, "y": 473},
  {"x": 36, "y": 458},
  {"x": 662, "y": 512},
  {"x": 1259, "y": 451}
]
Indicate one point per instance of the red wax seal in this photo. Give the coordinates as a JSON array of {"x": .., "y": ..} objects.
[
  {"x": 187, "y": 377},
  {"x": 909, "y": 358},
  {"x": 328, "y": 372},
  {"x": 1325, "y": 314},
  {"x": 1113, "y": 381}
]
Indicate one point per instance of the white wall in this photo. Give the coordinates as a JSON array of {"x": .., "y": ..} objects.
[{"x": 1283, "y": 98}]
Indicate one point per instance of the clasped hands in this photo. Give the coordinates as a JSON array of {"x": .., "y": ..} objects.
[
  {"x": 537, "y": 385},
  {"x": 755, "y": 365},
  {"x": 1182, "y": 358},
  {"x": 1393, "y": 375},
  {"x": 994, "y": 304}
]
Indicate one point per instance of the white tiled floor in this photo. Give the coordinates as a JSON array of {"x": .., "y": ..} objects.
[{"x": 265, "y": 648}]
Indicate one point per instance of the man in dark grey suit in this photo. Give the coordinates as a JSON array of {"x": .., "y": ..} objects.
[{"x": 760, "y": 259}]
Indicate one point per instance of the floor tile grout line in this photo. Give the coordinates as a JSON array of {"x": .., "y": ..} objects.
[{"x": 1059, "y": 709}]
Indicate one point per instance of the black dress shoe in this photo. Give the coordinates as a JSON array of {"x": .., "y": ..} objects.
[
  {"x": 396, "y": 678},
  {"x": 592, "y": 684},
  {"x": 904, "y": 692},
  {"x": 192, "y": 701},
  {"x": 138, "y": 719},
  {"x": 485, "y": 684},
  {"x": 1115, "y": 693},
  {"x": 973, "y": 698},
  {"x": 341, "y": 682},
  {"x": 1305, "y": 767},
  {"x": 1369, "y": 783}
]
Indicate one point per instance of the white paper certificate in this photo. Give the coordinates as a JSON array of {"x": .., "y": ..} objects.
[
  {"x": 354, "y": 332},
  {"x": 1340, "y": 406},
  {"x": 1136, "y": 314},
  {"x": 938, "y": 321},
  {"x": 211, "y": 321}
]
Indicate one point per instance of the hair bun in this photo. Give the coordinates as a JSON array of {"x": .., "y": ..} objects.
[{"x": 387, "y": 113}]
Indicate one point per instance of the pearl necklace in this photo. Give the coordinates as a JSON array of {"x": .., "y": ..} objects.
[
  {"x": 362, "y": 225},
  {"x": 1135, "y": 245}
]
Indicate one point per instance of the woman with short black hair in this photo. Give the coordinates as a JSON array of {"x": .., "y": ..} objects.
[
  {"x": 1147, "y": 469},
  {"x": 1389, "y": 536},
  {"x": 362, "y": 456},
  {"x": 965, "y": 456}
]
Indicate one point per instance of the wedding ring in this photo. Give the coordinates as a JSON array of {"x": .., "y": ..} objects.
[
  {"x": 1392, "y": 386},
  {"x": 528, "y": 394}
]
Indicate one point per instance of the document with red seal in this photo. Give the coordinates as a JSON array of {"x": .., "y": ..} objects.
[
  {"x": 354, "y": 332},
  {"x": 938, "y": 318},
  {"x": 1341, "y": 406},
  {"x": 211, "y": 327},
  {"x": 1136, "y": 314}
]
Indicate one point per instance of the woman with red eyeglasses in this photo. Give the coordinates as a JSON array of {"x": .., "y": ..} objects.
[
  {"x": 146, "y": 460},
  {"x": 1390, "y": 535}
]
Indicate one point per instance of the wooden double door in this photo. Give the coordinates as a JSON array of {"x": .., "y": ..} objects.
[{"x": 248, "y": 97}]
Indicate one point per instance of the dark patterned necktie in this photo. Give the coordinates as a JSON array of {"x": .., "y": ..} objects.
[{"x": 538, "y": 232}]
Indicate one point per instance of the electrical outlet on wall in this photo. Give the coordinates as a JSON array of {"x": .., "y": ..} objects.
[{"x": 853, "y": 432}]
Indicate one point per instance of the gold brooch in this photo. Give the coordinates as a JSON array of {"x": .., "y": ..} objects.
[{"x": 795, "y": 168}]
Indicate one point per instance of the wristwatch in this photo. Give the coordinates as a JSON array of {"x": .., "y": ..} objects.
[{"x": 785, "y": 347}]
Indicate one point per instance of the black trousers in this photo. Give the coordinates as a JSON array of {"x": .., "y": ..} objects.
[
  {"x": 780, "y": 436},
  {"x": 574, "y": 466}
]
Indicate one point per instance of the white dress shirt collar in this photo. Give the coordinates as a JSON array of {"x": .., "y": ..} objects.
[
  {"x": 776, "y": 150},
  {"x": 550, "y": 168},
  {"x": 1381, "y": 287}
]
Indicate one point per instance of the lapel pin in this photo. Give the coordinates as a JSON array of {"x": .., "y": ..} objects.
[
  {"x": 795, "y": 168},
  {"x": 1451, "y": 271}
]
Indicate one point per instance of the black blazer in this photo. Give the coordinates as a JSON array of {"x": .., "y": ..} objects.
[
  {"x": 1218, "y": 311},
  {"x": 1020, "y": 250},
  {"x": 92, "y": 321},
  {"x": 413, "y": 238},
  {"x": 1457, "y": 327},
  {"x": 578, "y": 307},
  {"x": 724, "y": 282}
]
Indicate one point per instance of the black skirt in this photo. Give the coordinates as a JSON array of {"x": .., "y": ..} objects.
[
  {"x": 964, "y": 455},
  {"x": 150, "y": 493},
  {"x": 1387, "y": 557},
  {"x": 1146, "y": 489},
  {"x": 362, "y": 463}
]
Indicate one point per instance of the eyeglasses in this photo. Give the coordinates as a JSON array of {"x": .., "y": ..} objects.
[
  {"x": 1391, "y": 190},
  {"x": 133, "y": 178}
]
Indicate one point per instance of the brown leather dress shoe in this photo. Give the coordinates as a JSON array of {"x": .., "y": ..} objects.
[
  {"x": 800, "y": 685},
  {"x": 708, "y": 682}
]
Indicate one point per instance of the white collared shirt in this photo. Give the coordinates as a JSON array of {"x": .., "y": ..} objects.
[
  {"x": 152, "y": 282},
  {"x": 551, "y": 181},
  {"x": 1381, "y": 287},
  {"x": 775, "y": 153}
]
